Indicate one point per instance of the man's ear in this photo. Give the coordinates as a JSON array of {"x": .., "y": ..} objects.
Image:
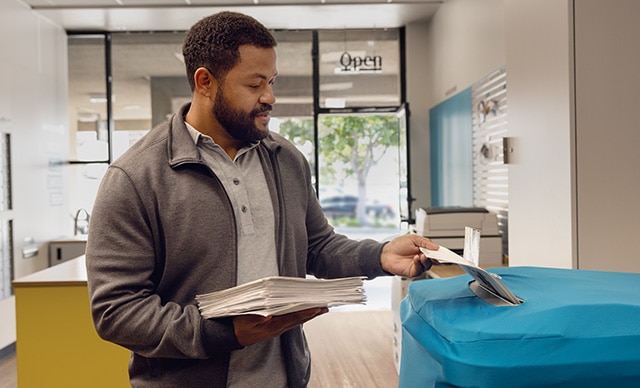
[{"x": 204, "y": 81}]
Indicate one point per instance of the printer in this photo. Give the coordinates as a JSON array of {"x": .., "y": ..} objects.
[{"x": 445, "y": 226}]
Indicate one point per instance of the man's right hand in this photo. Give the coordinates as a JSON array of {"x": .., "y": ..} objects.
[{"x": 250, "y": 329}]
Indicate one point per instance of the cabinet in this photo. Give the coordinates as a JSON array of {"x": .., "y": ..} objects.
[{"x": 57, "y": 345}]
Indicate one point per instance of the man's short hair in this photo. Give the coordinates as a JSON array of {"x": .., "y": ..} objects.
[{"x": 213, "y": 42}]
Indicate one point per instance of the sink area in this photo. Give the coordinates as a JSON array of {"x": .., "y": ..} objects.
[{"x": 66, "y": 248}]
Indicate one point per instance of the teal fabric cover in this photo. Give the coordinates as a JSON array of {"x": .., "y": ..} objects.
[{"x": 576, "y": 328}]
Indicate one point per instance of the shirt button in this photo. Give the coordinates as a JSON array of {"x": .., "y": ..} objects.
[
  {"x": 236, "y": 181},
  {"x": 244, "y": 209}
]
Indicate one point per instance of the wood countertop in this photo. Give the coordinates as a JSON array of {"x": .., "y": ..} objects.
[{"x": 68, "y": 273}]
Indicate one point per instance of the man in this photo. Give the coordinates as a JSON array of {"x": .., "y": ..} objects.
[{"x": 206, "y": 201}]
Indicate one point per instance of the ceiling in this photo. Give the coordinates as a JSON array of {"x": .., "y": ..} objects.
[{"x": 170, "y": 15}]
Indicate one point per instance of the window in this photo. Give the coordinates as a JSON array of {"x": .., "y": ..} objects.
[
  {"x": 359, "y": 68},
  {"x": 123, "y": 84},
  {"x": 143, "y": 75},
  {"x": 88, "y": 97},
  {"x": 292, "y": 114},
  {"x": 361, "y": 131},
  {"x": 88, "y": 115}
]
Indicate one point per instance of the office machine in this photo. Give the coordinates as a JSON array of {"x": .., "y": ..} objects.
[{"x": 445, "y": 226}]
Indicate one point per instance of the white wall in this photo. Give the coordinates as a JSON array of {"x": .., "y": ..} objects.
[
  {"x": 33, "y": 107},
  {"x": 539, "y": 89},
  {"x": 463, "y": 42}
]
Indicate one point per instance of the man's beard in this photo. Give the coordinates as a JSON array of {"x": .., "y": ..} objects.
[{"x": 238, "y": 124}]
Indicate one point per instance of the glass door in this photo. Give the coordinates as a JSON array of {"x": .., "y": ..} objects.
[{"x": 360, "y": 159}]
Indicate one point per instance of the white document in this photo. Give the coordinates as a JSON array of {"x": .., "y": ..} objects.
[
  {"x": 444, "y": 255},
  {"x": 486, "y": 282}
]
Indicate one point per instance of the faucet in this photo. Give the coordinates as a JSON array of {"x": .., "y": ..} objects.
[{"x": 77, "y": 218}]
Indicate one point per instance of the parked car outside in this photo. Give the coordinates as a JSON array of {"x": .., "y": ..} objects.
[{"x": 346, "y": 206}]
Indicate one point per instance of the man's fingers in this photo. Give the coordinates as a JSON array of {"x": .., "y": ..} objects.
[
  {"x": 289, "y": 321},
  {"x": 250, "y": 329},
  {"x": 426, "y": 262}
]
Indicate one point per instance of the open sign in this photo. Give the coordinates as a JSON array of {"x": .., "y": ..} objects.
[{"x": 357, "y": 63}]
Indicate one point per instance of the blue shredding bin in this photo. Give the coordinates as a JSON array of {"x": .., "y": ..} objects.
[{"x": 576, "y": 328}]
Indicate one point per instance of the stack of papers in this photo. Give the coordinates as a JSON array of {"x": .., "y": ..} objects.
[{"x": 277, "y": 295}]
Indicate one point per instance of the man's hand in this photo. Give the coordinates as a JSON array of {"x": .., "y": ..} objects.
[
  {"x": 250, "y": 329},
  {"x": 402, "y": 255}
]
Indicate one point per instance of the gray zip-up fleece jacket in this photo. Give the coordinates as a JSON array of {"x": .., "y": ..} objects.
[{"x": 163, "y": 230}]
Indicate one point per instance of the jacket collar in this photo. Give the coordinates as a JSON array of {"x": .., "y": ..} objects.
[{"x": 181, "y": 147}]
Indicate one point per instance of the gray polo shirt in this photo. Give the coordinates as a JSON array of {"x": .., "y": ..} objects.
[{"x": 261, "y": 364}]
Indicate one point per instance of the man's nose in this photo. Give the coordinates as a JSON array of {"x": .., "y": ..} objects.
[{"x": 268, "y": 97}]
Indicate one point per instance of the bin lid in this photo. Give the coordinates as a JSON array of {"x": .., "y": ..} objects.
[{"x": 558, "y": 303}]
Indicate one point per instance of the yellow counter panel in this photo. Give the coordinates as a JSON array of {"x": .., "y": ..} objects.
[{"x": 57, "y": 345}]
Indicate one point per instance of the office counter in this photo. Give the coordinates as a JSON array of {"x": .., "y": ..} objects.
[{"x": 57, "y": 345}]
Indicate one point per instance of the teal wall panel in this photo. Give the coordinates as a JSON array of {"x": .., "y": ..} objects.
[{"x": 451, "y": 135}]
